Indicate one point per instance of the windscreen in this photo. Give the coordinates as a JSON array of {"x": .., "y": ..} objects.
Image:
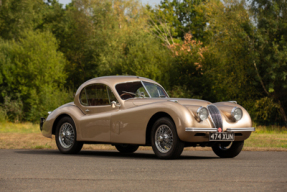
[
  {"x": 155, "y": 90},
  {"x": 139, "y": 89}
]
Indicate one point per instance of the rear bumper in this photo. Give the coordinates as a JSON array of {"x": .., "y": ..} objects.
[{"x": 203, "y": 130}]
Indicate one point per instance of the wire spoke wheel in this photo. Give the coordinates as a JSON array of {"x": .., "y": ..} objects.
[
  {"x": 164, "y": 138},
  {"x": 66, "y": 135}
]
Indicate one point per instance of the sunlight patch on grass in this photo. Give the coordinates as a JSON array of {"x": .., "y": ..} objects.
[
  {"x": 267, "y": 140},
  {"x": 8, "y": 127},
  {"x": 271, "y": 129}
]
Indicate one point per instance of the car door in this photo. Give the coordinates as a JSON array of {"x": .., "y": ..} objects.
[{"x": 95, "y": 100}]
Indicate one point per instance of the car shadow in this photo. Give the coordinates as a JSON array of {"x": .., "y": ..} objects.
[{"x": 111, "y": 154}]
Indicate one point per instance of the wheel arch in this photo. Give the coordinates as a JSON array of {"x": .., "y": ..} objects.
[
  {"x": 57, "y": 120},
  {"x": 152, "y": 120}
]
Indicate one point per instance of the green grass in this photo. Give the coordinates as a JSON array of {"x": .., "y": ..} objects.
[
  {"x": 46, "y": 146},
  {"x": 8, "y": 127},
  {"x": 267, "y": 140},
  {"x": 271, "y": 129}
]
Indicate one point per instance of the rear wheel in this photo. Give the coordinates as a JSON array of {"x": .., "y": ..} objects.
[
  {"x": 228, "y": 149},
  {"x": 66, "y": 135},
  {"x": 165, "y": 142},
  {"x": 125, "y": 148}
]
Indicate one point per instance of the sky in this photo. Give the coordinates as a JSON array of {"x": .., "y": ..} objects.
[{"x": 151, "y": 2}]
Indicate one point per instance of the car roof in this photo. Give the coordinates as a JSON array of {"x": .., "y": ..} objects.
[{"x": 113, "y": 80}]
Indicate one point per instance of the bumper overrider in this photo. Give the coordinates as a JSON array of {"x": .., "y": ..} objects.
[
  {"x": 42, "y": 120},
  {"x": 203, "y": 130}
]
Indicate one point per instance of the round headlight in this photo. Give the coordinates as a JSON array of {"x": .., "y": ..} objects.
[
  {"x": 236, "y": 113},
  {"x": 202, "y": 113}
]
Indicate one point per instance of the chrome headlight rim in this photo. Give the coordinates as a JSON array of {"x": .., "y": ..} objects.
[
  {"x": 233, "y": 111},
  {"x": 199, "y": 113}
]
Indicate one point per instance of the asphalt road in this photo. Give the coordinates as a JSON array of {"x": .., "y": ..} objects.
[{"x": 48, "y": 170}]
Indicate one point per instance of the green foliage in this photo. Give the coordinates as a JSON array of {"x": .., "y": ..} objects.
[
  {"x": 74, "y": 30},
  {"x": 185, "y": 72},
  {"x": 271, "y": 50},
  {"x": 3, "y": 115},
  {"x": 233, "y": 70},
  {"x": 210, "y": 50},
  {"x": 19, "y": 15},
  {"x": 32, "y": 69},
  {"x": 181, "y": 17},
  {"x": 12, "y": 109},
  {"x": 138, "y": 54},
  {"x": 265, "y": 110}
]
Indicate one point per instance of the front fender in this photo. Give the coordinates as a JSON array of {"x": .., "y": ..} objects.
[{"x": 71, "y": 110}]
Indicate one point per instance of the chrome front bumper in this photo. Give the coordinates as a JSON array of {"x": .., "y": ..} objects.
[{"x": 202, "y": 130}]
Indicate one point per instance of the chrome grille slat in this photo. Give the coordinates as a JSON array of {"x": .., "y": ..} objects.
[{"x": 215, "y": 115}]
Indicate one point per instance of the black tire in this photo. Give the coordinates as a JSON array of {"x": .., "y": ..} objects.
[
  {"x": 67, "y": 140},
  {"x": 222, "y": 150},
  {"x": 125, "y": 148},
  {"x": 167, "y": 145}
]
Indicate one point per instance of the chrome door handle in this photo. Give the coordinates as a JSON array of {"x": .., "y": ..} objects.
[{"x": 87, "y": 110}]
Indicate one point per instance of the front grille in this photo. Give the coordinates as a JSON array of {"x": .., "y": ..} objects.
[{"x": 215, "y": 116}]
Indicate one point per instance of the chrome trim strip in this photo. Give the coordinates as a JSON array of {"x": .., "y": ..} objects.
[
  {"x": 240, "y": 129},
  {"x": 193, "y": 129}
]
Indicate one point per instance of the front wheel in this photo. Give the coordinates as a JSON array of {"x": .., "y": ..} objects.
[
  {"x": 165, "y": 141},
  {"x": 125, "y": 148},
  {"x": 66, "y": 136},
  {"x": 228, "y": 149}
]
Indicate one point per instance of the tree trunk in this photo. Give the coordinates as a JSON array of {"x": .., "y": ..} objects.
[{"x": 283, "y": 113}]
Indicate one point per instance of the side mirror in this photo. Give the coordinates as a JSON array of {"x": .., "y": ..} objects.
[
  {"x": 114, "y": 104},
  {"x": 142, "y": 94}
]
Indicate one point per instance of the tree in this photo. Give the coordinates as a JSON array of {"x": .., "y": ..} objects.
[
  {"x": 186, "y": 75},
  {"x": 32, "y": 69},
  {"x": 181, "y": 16},
  {"x": 270, "y": 50},
  {"x": 245, "y": 61},
  {"x": 19, "y": 15}
]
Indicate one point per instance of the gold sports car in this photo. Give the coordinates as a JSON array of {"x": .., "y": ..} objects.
[{"x": 131, "y": 111}]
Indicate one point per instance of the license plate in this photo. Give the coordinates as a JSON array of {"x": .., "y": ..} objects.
[{"x": 221, "y": 136}]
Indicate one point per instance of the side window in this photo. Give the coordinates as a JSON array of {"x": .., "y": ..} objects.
[
  {"x": 83, "y": 97},
  {"x": 111, "y": 95},
  {"x": 96, "y": 94}
]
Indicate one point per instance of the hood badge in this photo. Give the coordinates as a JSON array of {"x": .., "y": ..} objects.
[{"x": 219, "y": 130}]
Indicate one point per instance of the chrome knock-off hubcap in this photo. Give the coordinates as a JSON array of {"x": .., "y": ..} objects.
[
  {"x": 163, "y": 138},
  {"x": 66, "y": 135}
]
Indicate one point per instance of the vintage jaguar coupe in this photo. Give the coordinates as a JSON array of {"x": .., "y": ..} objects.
[{"x": 130, "y": 111}]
